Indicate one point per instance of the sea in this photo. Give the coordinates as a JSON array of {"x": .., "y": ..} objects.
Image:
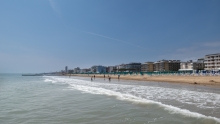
[{"x": 78, "y": 100}]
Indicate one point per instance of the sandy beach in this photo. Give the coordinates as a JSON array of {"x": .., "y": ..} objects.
[{"x": 195, "y": 80}]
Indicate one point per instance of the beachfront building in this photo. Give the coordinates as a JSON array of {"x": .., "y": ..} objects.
[
  {"x": 199, "y": 64},
  {"x": 121, "y": 67},
  {"x": 110, "y": 69},
  {"x": 147, "y": 67},
  {"x": 66, "y": 69},
  {"x": 212, "y": 62},
  {"x": 130, "y": 67},
  {"x": 70, "y": 71},
  {"x": 190, "y": 65},
  {"x": 76, "y": 70},
  {"x": 167, "y": 65},
  {"x": 85, "y": 70},
  {"x": 115, "y": 68},
  {"x": 187, "y": 66},
  {"x": 133, "y": 67},
  {"x": 98, "y": 69}
]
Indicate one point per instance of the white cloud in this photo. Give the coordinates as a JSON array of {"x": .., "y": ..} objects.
[
  {"x": 194, "y": 51},
  {"x": 55, "y": 7},
  {"x": 211, "y": 44},
  {"x": 114, "y": 39}
]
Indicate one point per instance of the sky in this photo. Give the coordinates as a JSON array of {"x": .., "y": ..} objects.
[{"x": 47, "y": 35}]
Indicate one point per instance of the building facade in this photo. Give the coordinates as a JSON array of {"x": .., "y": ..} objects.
[
  {"x": 98, "y": 69},
  {"x": 212, "y": 61},
  {"x": 66, "y": 69},
  {"x": 167, "y": 65},
  {"x": 199, "y": 64},
  {"x": 85, "y": 70},
  {"x": 190, "y": 65},
  {"x": 76, "y": 70},
  {"x": 186, "y": 65},
  {"x": 133, "y": 67},
  {"x": 70, "y": 71},
  {"x": 110, "y": 69},
  {"x": 121, "y": 67},
  {"x": 147, "y": 67},
  {"x": 130, "y": 67}
]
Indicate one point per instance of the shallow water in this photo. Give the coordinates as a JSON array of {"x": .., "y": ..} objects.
[{"x": 55, "y": 100}]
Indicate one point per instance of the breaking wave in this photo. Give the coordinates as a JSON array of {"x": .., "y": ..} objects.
[{"x": 147, "y": 95}]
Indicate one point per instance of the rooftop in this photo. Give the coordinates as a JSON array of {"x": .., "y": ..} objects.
[{"x": 213, "y": 54}]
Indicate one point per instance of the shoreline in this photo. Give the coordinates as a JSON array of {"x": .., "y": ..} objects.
[{"x": 194, "y": 80}]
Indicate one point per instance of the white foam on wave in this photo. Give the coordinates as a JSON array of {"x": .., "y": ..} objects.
[
  {"x": 49, "y": 80},
  {"x": 116, "y": 91}
]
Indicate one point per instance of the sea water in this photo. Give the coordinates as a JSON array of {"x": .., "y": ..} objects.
[{"x": 78, "y": 100}]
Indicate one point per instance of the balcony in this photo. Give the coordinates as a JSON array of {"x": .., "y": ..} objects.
[
  {"x": 211, "y": 62},
  {"x": 209, "y": 65},
  {"x": 206, "y": 68}
]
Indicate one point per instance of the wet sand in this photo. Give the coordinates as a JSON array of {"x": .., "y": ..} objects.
[{"x": 195, "y": 80}]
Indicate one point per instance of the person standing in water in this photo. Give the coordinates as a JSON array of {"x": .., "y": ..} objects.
[
  {"x": 91, "y": 79},
  {"x": 109, "y": 78}
]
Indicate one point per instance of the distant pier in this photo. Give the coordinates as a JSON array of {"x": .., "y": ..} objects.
[
  {"x": 32, "y": 74},
  {"x": 44, "y": 74}
]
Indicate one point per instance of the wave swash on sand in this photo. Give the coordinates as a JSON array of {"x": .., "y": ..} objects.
[{"x": 147, "y": 95}]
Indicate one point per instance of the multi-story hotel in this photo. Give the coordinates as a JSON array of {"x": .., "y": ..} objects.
[
  {"x": 76, "y": 70},
  {"x": 167, "y": 65},
  {"x": 200, "y": 64},
  {"x": 212, "y": 62},
  {"x": 186, "y": 65},
  {"x": 133, "y": 67},
  {"x": 190, "y": 65},
  {"x": 130, "y": 67},
  {"x": 98, "y": 69},
  {"x": 110, "y": 69},
  {"x": 147, "y": 67}
]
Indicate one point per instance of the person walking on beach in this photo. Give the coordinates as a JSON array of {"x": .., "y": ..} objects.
[
  {"x": 109, "y": 78},
  {"x": 94, "y": 76},
  {"x": 118, "y": 76},
  {"x": 91, "y": 79}
]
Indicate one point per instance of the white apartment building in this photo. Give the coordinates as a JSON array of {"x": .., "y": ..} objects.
[
  {"x": 85, "y": 70},
  {"x": 110, "y": 68},
  {"x": 98, "y": 69},
  {"x": 189, "y": 65},
  {"x": 120, "y": 67},
  {"x": 76, "y": 70},
  {"x": 212, "y": 61}
]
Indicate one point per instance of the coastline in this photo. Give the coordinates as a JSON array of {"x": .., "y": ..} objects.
[{"x": 195, "y": 80}]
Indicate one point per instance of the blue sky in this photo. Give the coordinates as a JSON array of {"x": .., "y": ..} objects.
[{"x": 47, "y": 35}]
